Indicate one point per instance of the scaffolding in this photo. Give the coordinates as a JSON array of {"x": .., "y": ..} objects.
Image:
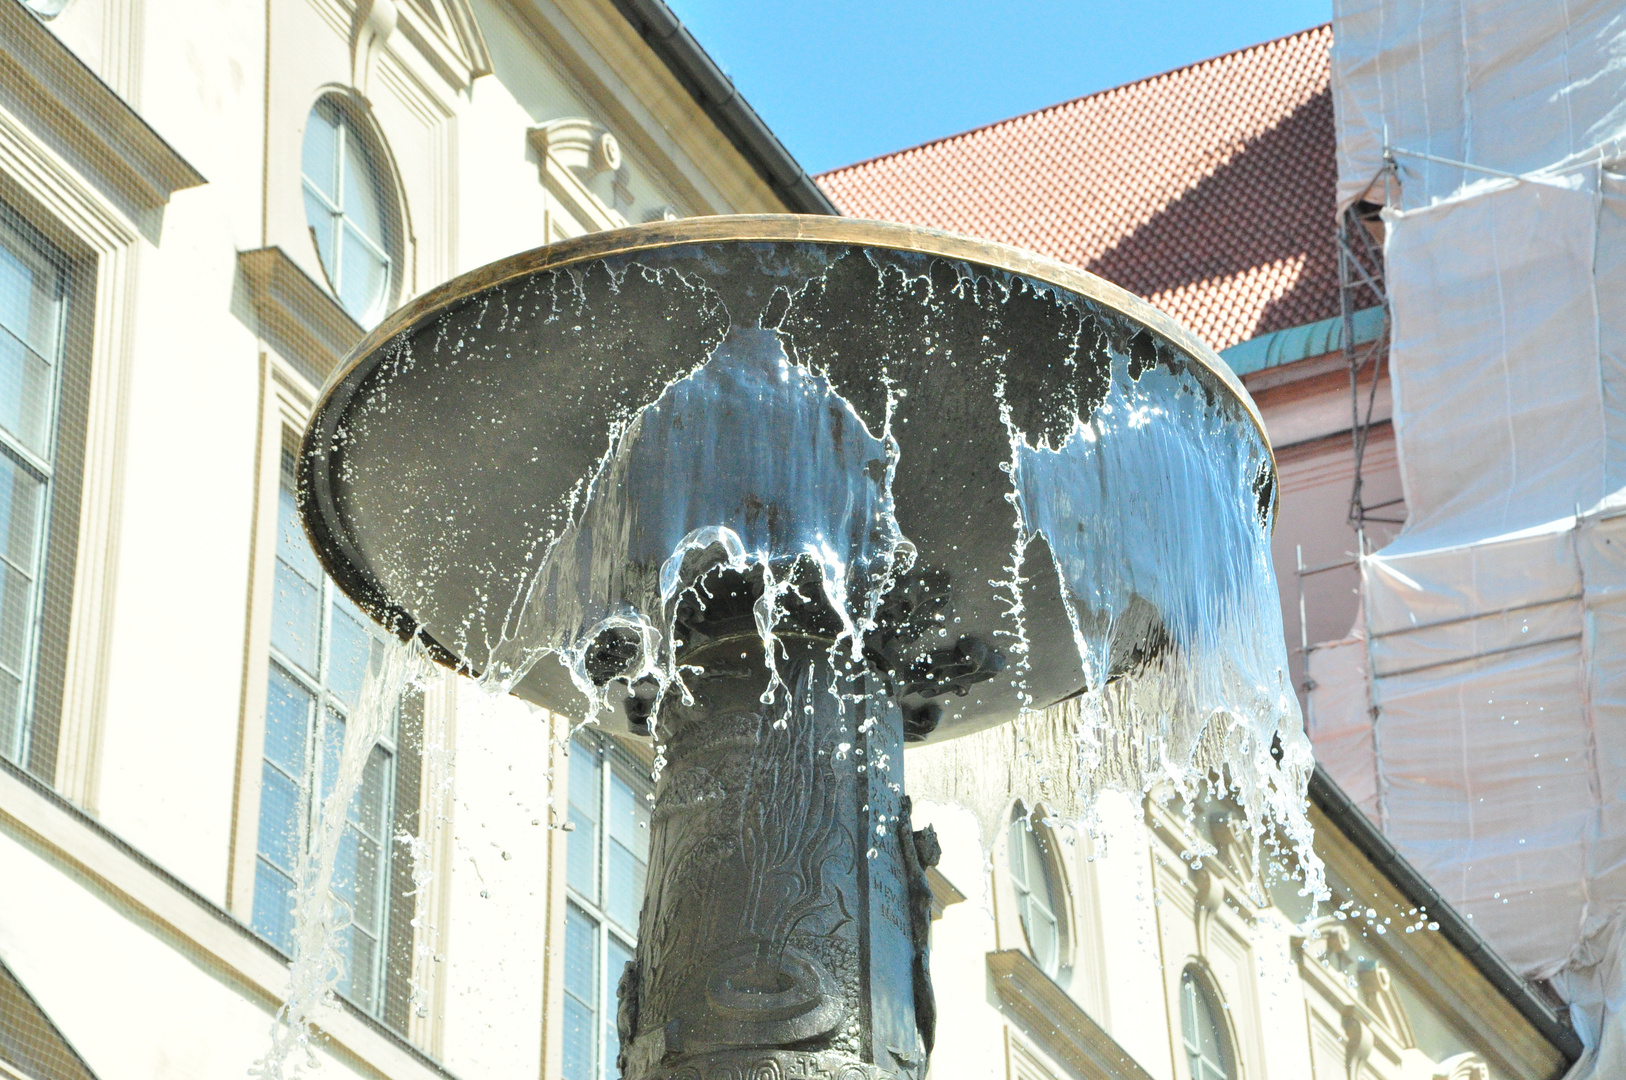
[
  {"x": 1359, "y": 237},
  {"x": 1360, "y": 278}
]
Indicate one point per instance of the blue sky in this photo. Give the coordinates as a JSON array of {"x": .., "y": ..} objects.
[{"x": 842, "y": 80}]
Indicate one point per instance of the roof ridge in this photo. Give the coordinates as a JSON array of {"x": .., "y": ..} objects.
[{"x": 968, "y": 132}]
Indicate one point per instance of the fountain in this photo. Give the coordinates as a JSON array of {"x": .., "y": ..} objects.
[{"x": 784, "y": 494}]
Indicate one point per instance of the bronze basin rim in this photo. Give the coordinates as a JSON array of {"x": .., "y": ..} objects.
[{"x": 809, "y": 228}]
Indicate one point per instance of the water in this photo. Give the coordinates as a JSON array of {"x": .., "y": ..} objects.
[
  {"x": 827, "y": 442},
  {"x": 843, "y": 425},
  {"x": 317, "y": 966}
]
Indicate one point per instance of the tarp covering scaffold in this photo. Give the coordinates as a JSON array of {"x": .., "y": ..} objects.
[{"x": 1478, "y": 711}]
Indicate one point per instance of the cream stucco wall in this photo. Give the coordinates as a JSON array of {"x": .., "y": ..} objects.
[
  {"x": 122, "y": 905},
  {"x": 124, "y": 916}
]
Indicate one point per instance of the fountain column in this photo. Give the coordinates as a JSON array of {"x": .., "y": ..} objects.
[{"x": 784, "y": 925}]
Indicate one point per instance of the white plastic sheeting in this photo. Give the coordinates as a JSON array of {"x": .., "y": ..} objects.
[
  {"x": 1512, "y": 85},
  {"x": 1490, "y": 739}
]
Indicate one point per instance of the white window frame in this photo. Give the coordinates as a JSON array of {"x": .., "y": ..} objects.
[
  {"x": 1197, "y": 992},
  {"x": 43, "y": 469},
  {"x": 349, "y": 127},
  {"x": 607, "y": 929},
  {"x": 1019, "y": 854}
]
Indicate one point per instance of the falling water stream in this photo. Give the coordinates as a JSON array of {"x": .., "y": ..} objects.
[{"x": 829, "y": 446}]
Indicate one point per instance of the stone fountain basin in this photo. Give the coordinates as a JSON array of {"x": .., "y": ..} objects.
[{"x": 446, "y": 451}]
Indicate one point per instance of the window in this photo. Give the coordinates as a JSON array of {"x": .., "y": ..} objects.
[
  {"x": 321, "y": 649},
  {"x": 1208, "y": 1050},
  {"x": 48, "y": 9},
  {"x": 1034, "y": 880},
  {"x": 32, "y": 308},
  {"x": 604, "y": 873},
  {"x": 347, "y": 206}
]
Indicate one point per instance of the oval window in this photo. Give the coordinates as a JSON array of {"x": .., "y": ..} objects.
[
  {"x": 1036, "y": 894},
  {"x": 1208, "y": 1049},
  {"x": 348, "y": 208}
]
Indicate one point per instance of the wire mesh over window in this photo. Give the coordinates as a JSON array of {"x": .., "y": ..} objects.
[
  {"x": 322, "y": 647},
  {"x": 606, "y": 863},
  {"x": 32, "y": 328},
  {"x": 1036, "y": 901},
  {"x": 347, "y": 206}
]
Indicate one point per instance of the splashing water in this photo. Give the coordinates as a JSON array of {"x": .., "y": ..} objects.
[
  {"x": 1214, "y": 700},
  {"x": 665, "y": 509},
  {"x": 317, "y": 966}
]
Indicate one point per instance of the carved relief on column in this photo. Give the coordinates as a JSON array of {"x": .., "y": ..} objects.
[{"x": 776, "y": 939}]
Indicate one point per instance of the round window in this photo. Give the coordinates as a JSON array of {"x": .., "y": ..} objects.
[
  {"x": 1037, "y": 897},
  {"x": 347, "y": 203},
  {"x": 1208, "y": 1050}
]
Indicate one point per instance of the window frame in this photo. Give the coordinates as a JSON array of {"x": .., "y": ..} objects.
[
  {"x": 287, "y": 398},
  {"x": 1197, "y": 986},
  {"x": 607, "y": 929},
  {"x": 41, "y": 466},
  {"x": 326, "y": 703},
  {"x": 1024, "y": 824},
  {"x": 354, "y": 120}
]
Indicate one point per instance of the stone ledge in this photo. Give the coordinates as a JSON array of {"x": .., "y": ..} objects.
[
  {"x": 1055, "y": 1022},
  {"x": 299, "y": 317},
  {"x": 944, "y": 893}
]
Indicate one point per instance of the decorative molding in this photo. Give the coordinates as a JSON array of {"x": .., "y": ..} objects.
[
  {"x": 1054, "y": 1021},
  {"x": 659, "y": 121},
  {"x": 430, "y": 976},
  {"x": 447, "y": 34},
  {"x": 944, "y": 894},
  {"x": 569, "y": 153},
  {"x": 109, "y": 868},
  {"x": 286, "y": 399},
  {"x": 580, "y": 145},
  {"x": 1464, "y": 995},
  {"x": 296, "y": 315},
  {"x": 375, "y": 21},
  {"x": 103, "y": 243},
  {"x": 82, "y": 118},
  {"x": 1022, "y": 1063},
  {"x": 1461, "y": 1067}
]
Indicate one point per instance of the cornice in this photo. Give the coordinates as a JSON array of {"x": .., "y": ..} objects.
[
  {"x": 296, "y": 315},
  {"x": 656, "y": 117},
  {"x": 944, "y": 894},
  {"x": 83, "y": 118},
  {"x": 1521, "y": 1034},
  {"x": 1055, "y": 1022},
  {"x": 446, "y": 34}
]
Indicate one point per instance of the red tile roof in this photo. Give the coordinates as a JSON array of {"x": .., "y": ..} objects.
[{"x": 1209, "y": 190}]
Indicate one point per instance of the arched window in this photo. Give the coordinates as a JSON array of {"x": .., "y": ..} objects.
[
  {"x": 1037, "y": 895},
  {"x": 1208, "y": 1047},
  {"x": 348, "y": 206}
]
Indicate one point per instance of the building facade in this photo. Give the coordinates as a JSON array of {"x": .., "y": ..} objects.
[{"x": 203, "y": 205}]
